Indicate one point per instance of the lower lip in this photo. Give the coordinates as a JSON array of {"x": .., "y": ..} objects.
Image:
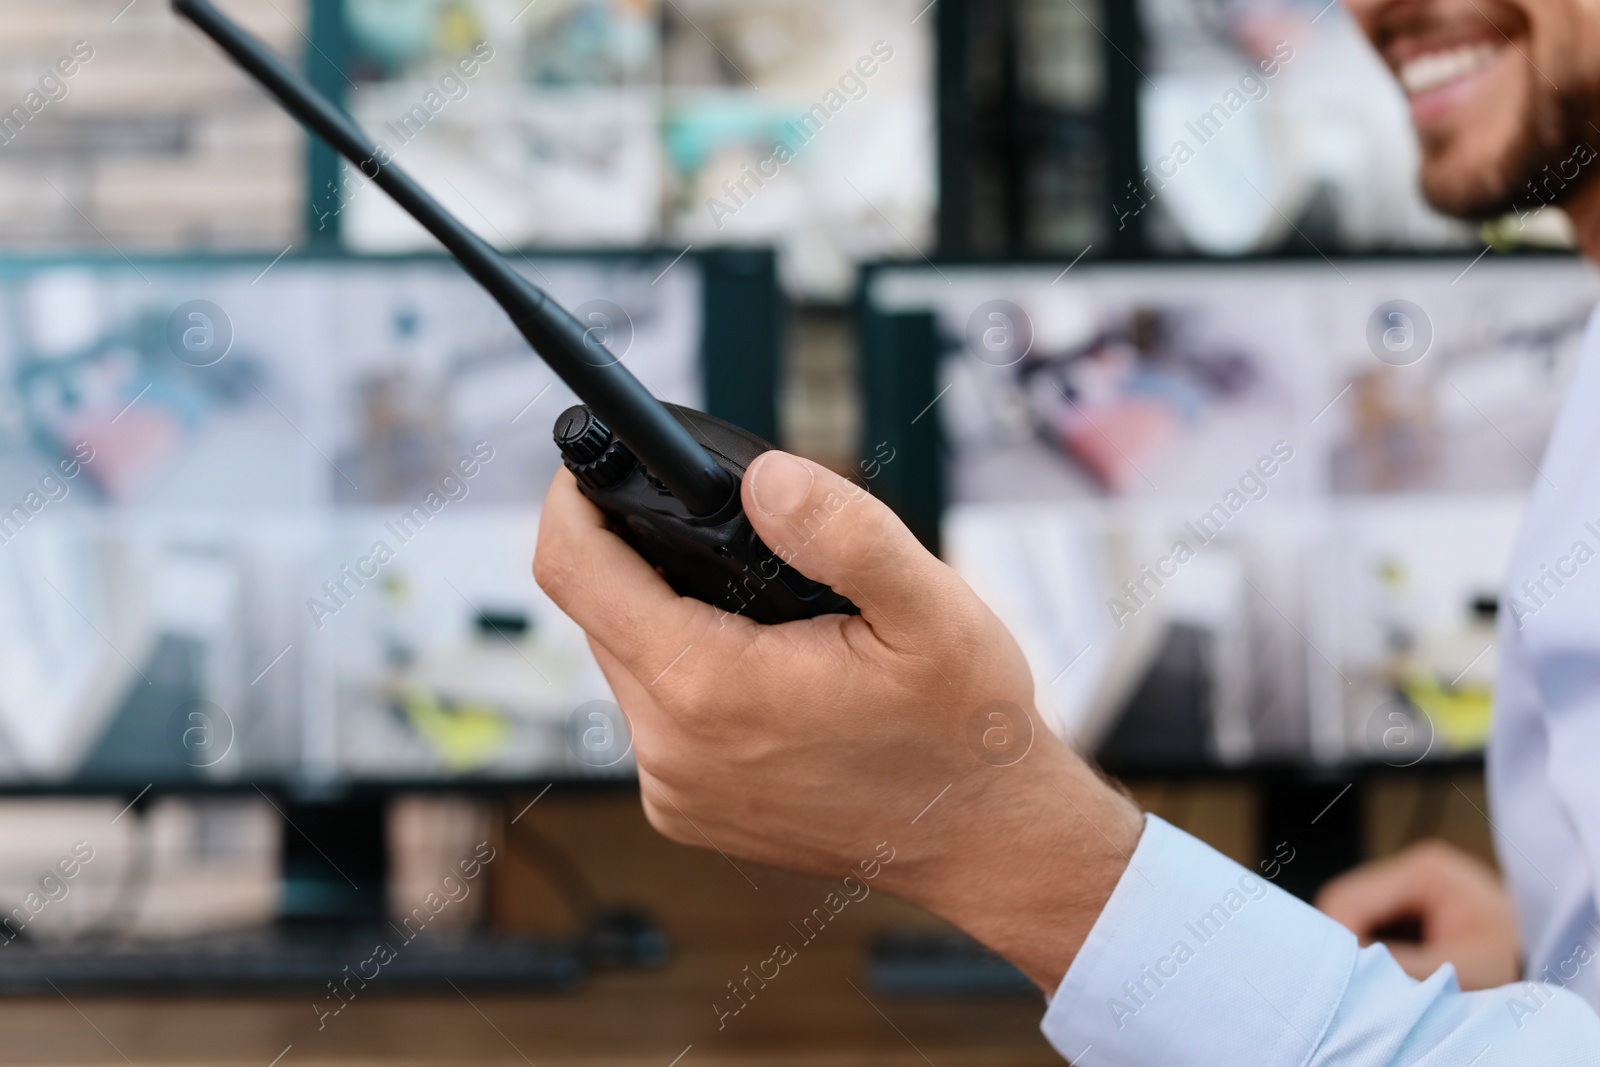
[{"x": 1435, "y": 104}]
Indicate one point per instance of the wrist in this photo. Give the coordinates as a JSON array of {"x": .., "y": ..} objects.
[{"x": 1025, "y": 857}]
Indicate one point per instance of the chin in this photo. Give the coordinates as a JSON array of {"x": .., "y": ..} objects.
[
  {"x": 1505, "y": 158},
  {"x": 1477, "y": 189}
]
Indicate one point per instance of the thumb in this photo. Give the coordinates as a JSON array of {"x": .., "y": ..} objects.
[{"x": 835, "y": 532}]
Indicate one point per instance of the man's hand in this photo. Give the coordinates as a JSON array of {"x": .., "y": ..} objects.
[
  {"x": 1461, "y": 908},
  {"x": 806, "y": 745}
]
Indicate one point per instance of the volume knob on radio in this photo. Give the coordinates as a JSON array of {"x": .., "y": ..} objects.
[{"x": 592, "y": 453}]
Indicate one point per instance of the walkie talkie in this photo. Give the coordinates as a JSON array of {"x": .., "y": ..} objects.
[{"x": 667, "y": 477}]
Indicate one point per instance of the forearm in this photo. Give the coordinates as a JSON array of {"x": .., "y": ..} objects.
[{"x": 1024, "y": 858}]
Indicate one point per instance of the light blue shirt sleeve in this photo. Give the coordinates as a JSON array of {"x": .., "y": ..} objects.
[{"x": 1196, "y": 960}]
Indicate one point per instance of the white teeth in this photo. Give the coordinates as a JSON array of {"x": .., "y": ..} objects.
[{"x": 1434, "y": 69}]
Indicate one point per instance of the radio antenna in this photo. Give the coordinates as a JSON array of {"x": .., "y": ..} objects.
[{"x": 642, "y": 422}]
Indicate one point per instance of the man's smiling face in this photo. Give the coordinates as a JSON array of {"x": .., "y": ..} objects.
[{"x": 1499, "y": 89}]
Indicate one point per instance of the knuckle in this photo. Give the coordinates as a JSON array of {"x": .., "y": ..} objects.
[
  {"x": 695, "y": 674},
  {"x": 1433, "y": 854},
  {"x": 693, "y": 712},
  {"x": 552, "y": 570},
  {"x": 867, "y": 538},
  {"x": 665, "y": 821},
  {"x": 678, "y": 695},
  {"x": 657, "y": 818}
]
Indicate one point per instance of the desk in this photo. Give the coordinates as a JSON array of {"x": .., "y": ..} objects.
[
  {"x": 720, "y": 915},
  {"x": 809, "y": 1016}
]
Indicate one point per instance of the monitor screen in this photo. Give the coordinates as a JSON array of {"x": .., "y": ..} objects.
[
  {"x": 804, "y": 124},
  {"x": 1269, "y": 504},
  {"x": 1270, "y": 124},
  {"x": 274, "y": 521}
]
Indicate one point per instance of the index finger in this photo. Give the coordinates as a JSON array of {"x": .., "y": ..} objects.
[{"x": 606, "y": 587}]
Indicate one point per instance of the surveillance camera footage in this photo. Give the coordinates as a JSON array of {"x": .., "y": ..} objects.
[{"x": 273, "y": 521}]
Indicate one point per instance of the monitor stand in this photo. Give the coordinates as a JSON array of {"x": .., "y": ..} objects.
[{"x": 333, "y": 862}]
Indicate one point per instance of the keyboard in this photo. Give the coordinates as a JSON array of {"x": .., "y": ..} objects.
[
  {"x": 917, "y": 964},
  {"x": 292, "y": 961}
]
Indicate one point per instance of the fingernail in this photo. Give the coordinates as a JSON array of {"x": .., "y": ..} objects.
[{"x": 780, "y": 483}]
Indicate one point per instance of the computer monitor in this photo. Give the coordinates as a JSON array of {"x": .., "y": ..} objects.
[
  {"x": 1237, "y": 513},
  {"x": 269, "y": 523}
]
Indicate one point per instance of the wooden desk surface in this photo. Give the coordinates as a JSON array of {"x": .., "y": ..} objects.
[
  {"x": 810, "y": 1015},
  {"x": 720, "y": 918}
]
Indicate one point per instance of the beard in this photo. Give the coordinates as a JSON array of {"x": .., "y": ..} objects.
[{"x": 1535, "y": 169}]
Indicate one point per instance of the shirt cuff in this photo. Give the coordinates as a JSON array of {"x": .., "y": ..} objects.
[{"x": 1196, "y": 960}]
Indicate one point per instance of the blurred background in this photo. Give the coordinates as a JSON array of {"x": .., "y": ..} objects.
[{"x": 1133, "y": 311}]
